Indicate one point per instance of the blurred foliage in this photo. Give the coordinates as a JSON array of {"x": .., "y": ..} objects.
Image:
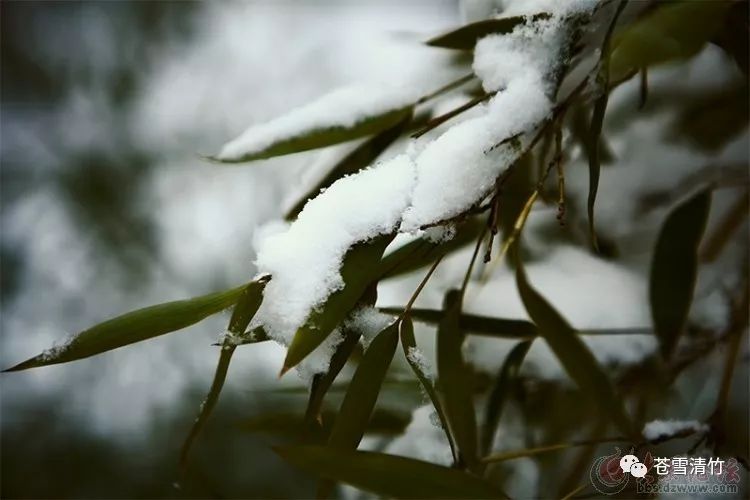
[{"x": 100, "y": 194}]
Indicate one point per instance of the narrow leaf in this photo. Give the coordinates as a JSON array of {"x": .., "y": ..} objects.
[
  {"x": 342, "y": 115},
  {"x": 388, "y": 475},
  {"x": 573, "y": 354},
  {"x": 454, "y": 377},
  {"x": 246, "y": 307},
  {"x": 134, "y": 327},
  {"x": 672, "y": 31},
  {"x": 358, "y": 271},
  {"x": 471, "y": 323},
  {"x": 595, "y": 163},
  {"x": 409, "y": 344},
  {"x": 421, "y": 252},
  {"x": 674, "y": 268},
  {"x": 496, "y": 402},
  {"x": 383, "y": 423},
  {"x": 466, "y": 37},
  {"x": 364, "y": 155},
  {"x": 363, "y": 390},
  {"x": 322, "y": 382}
]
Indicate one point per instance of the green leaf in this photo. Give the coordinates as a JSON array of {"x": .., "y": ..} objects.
[
  {"x": 382, "y": 422},
  {"x": 506, "y": 378},
  {"x": 471, "y": 323},
  {"x": 454, "y": 378},
  {"x": 358, "y": 272},
  {"x": 595, "y": 164},
  {"x": 466, "y": 37},
  {"x": 388, "y": 475},
  {"x": 134, "y": 327},
  {"x": 673, "y": 31},
  {"x": 322, "y": 136},
  {"x": 323, "y": 381},
  {"x": 364, "y": 155},
  {"x": 363, "y": 390},
  {"x": 674, "y": 268},
  {"x": 573, "y": 354},
  {"x": 409, "y": 343},
  {"x": 420, "y": 252},
  {"x": 246, "y": 307}
]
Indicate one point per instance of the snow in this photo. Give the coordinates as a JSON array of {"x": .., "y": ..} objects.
[
  {"x": 422, "y": 440},
  {"x": 304, "y": 260},
  {"x": 662, "y": 428},
  {"x": 344, "y": 107},
  {"x": 369, "y": 321},
  {"x": 435, "y": 179},
  {"x": 416, "y": 356}
]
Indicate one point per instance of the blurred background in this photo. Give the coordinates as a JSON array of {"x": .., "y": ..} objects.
[{"x": 107, "y": 207}]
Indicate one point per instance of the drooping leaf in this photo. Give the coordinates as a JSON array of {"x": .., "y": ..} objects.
[
  {"x": 358, "y": 271},
  {"x": 364, "y": 155},
  {"x": 361, "y": 396},
  {"x": 363, "y": 390},
  {"x": 496, "y": 401},
  {"x": 454, "y": 378},
  {"x": 421, "y": 252},
  {"x": 471, "y": 323},
  {"x": 409, "y": 344},
  {"x": 674, "y": 268},
  {"x": 389, "y": 476},
  {"x": 672, "y": 31},
  {"x": 322, "y": 382},
  {"x": 244, "y": 310},
  {"x": 382, "y": 422},
  {"x": 135, "y": 326},
  {"x": 573, "y": 354},
  {"x": 466, "y": 37},
  {"x": 595, "y": 164}
]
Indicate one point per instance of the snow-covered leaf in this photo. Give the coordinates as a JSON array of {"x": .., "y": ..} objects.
[
  {"x": 389, "y": 476},
  {"x": 342, "y": 115},
  {"x": 574, "y": 356},
  {"x": 674, "y": 268},
  {"x": 465, "y": 37},
  {"x": 363, "y": 156},
  {"x": 358, "y": 271},
  {"x": 135, "y": 326}
]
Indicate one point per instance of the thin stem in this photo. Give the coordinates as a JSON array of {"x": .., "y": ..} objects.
[
  {"x": 420, "y": 287},
  {"x": 446, "y": 88},
  {"x": 439, "y": 120},
  {"x": 471, "y": 262}
]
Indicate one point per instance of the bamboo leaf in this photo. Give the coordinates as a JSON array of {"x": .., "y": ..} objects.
[
  {"x": 363, "y": 390},
  {"x": 466, "y": 37},
  {"x": 421, "y": 252},
  {"x": 495, "y": 403},
  {"x": 674, "y": 268},
  {"x": 595, "y": 163},
  {"x": 246, "y": 307},
  {"x": 322, "y": 382},
  {"x": 317, "y": 136},
  {"x": 454, "y": 378},
  {"x": 409, "y": 344},
  {"x": 574, "y": 356},
  {"x": 471, "y": 323},
  {"x": 135, "y": 326},
  {"x": 383, "y": 423},
  {"x": 358, "y": 271},
  {"x": 364, "y": 155},
  {"x": 673, "y": 31},
  {"x": 361, "y": 396},
  {"x": 388, "y": 475}
]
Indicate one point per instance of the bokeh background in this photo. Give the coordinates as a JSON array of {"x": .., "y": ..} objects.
[{"x": 107, "y": 207}]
